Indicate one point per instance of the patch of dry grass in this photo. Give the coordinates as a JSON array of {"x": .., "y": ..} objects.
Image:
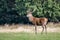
[{"x": 28, "y": 28}]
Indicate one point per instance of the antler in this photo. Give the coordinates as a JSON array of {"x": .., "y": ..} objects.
[{"x": 29, "y": 11}]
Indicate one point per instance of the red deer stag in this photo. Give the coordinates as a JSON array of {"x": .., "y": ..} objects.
[{"x": 40, "y": 21}]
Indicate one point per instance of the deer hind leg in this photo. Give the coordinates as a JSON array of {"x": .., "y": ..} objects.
[{"x": 45, "y": 29}]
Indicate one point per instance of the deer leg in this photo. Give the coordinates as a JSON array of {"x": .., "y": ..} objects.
[
  {"x": 45, "y": 29},
  {"x": 42, "y": 29},
  {"x": 35, "y": 29}
]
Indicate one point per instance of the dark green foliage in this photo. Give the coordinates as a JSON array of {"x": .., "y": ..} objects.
[
  {"x": 41, "y": 8},
  {"x": 9, "y": 14},
  {"x": 14, "y": 11}
]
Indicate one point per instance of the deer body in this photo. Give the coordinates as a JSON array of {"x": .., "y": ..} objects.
[{"x": 38, "y": 21}]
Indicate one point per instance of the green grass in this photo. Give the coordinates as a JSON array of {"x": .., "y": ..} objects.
[{"x": 29, "y": 36}]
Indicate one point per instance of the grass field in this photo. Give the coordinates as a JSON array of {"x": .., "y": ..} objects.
[
  {"x": 29, "y": 36},
  {"x": 24, "y": 32}
]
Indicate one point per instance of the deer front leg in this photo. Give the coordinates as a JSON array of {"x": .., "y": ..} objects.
[
  {"x": 42, "y": 29},
  {"x": 35, "y": 29},
  {"x": 35, "y": 26}
]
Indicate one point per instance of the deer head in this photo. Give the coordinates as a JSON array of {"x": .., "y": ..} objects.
[{"x": 29, "y": 13}]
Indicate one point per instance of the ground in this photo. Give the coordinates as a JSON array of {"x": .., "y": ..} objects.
[
  {"x": 29, "y": 28},
  {"x": 29, "y": 36},
  {"x": 26, "y": 32}
]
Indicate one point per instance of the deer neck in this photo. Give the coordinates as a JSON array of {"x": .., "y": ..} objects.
[{"x": 31, "y": 17}]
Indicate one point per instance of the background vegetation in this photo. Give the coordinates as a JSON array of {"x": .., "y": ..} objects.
[{"x": 14, "y": 11}]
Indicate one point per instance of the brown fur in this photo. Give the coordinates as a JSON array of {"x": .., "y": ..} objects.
[{"x": 39, "y": 21}]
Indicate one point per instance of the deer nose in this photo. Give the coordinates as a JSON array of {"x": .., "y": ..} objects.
[{"x": 27, "y": 15}]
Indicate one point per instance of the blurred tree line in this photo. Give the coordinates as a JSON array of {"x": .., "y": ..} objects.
[{"x": 14, "y": 11}]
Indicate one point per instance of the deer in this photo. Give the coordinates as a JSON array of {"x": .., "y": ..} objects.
[{"x": 40, "y": 21}]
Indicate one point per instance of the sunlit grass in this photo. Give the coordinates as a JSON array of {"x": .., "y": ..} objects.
[{"x": 29, "y": 36}]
